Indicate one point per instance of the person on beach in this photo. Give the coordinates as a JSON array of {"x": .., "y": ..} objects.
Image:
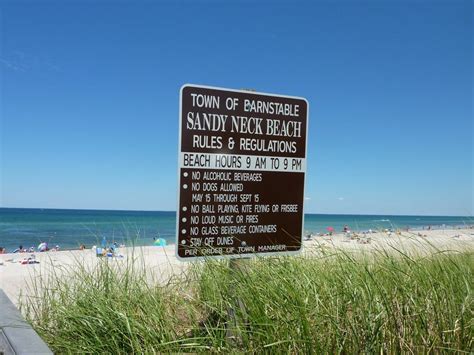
[
  {"x": 42, "y": 247},
  {"x": 346, "y": 229},
  {"x": 19, "y": 250},
  {"x": 3, "y": 250}
]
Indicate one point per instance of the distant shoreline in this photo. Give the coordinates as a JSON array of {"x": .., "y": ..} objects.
[
  {"x": 71, "y": 228},
  {"x": 312, "y": 233},
  {"x": 313, "y": 236}
]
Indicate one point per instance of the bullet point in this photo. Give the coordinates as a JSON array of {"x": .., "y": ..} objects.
[
  {"x": 185, "y": 174},
  {"x": 185, "y": 186},
  {"x": 243, "y": 243},
  {"x": 184, "y": 220},
  {"x": 183, "y": 231},
  {"x": 183, "y": 242},
  {"x": 184, "y": 208}
]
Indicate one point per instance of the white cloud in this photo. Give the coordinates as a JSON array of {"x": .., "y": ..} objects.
[
  {"x": 340, "y": 198},
  {"x": 307, "y": 198}
]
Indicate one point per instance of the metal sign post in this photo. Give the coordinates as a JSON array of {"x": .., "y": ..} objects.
[{"x": 234, "y": 332}]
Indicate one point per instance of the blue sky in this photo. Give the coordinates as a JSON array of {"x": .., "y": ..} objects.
[{"x": 90, "y": 95}]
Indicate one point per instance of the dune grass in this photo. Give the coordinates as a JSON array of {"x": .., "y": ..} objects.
[{"x": 329, "y": 303}]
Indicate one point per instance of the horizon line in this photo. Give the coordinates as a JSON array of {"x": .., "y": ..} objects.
[{"x": 174, "y": 211}]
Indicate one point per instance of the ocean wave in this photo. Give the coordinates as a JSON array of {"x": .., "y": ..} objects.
[{"x": 380, "y": 220}]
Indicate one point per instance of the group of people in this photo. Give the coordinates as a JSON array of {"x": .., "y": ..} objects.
[
  {"x": 42, "y": 247},
  {"x": 108, "y": 250}
]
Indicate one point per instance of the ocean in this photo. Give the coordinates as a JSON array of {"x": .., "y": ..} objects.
[{"x": 71, "y": 228}]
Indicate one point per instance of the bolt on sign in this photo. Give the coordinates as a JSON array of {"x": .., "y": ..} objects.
[{"x": 242, "y": 164}]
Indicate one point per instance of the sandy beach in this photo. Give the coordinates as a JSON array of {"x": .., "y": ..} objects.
[{"x": 16, "y": 279}]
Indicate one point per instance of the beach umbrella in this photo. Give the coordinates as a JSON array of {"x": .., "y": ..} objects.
[
  {"x": 160, "y": 242},
  {"x": 43, "y": 246},
  {"x": 330, "y": 229}
]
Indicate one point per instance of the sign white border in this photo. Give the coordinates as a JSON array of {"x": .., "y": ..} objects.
[{"x": 234, "y": 256}]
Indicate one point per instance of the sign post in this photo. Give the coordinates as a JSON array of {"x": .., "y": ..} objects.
[{"x": 242, "y": 164}]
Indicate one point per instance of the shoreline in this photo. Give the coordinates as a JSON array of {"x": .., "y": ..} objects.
[{"x": 434, "y": 228}]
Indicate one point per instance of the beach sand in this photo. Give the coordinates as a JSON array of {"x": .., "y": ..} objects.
[{"x": 16, "y": 279}]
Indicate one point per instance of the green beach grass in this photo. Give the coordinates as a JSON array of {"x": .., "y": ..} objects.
[{"x": 330, "y": 303}]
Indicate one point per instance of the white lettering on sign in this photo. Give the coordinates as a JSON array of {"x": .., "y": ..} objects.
[
  {"x": 275, "y": 247},
  {"x": 289, "y": 208},
  {"x": 242, "y": 124},
  {"x": 207, "y": 101},
  {"x": 262, "y": 145},
  {"x": 206, "y": 122},
  {"x": 284, "y": 128},
  {"x": 210, "y": 142},
  {"x": 213, "y": 122},
  {"x": 271, "y": 108}
]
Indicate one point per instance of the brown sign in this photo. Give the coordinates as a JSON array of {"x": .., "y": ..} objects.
[{"x": 242, "y": 165}]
